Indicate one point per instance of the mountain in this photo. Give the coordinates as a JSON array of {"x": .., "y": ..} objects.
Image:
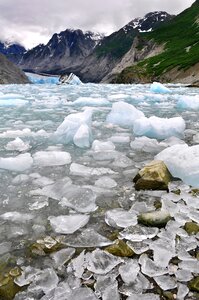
[
  {"x": 13, "y": 52},
  {"x": 9, "y": 73},
  {"x": 177, "y": 59},
  {"x": 64, "y": 52},
  {"x": 112, "y": 48}
]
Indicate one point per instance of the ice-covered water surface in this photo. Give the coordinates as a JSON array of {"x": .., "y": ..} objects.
[{"x": 68, "y": 157}]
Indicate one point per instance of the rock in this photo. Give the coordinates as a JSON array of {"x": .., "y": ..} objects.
[
  {"x": 8, "y": 289},
  {"x": 154, "y": 176},
  {"x": 194, "y": 284},
  {"x": 11, "y": 74},
  {"x": 191, "y": 228},
  {"x": 157, "y": 218},
  {"x": 46, "y": 245},
  {"x": 120, "y": 248}
]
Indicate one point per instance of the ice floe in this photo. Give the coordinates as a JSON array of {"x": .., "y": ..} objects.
[
  {"x": 158, "y": 87},
  {"x": 51, "y": 158},
  {"x": 18, "y": 163}
]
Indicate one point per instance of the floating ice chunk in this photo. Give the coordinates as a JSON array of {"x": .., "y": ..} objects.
[
  {"x": 106, "y": 182},
  {"x": 26, "y": 132},
  {"x": 182, "y": 162},
  {"x": 124, "y": 114},
  {"x": 68, "y": 224},
  {"x": 189, "y": 265},
  {"x": 150, "y": 296},
  {"x": 51, "y": 158},
  {"x": 138, "y": 247},
  {"x": 17, "y": 145},
  {"x": 18, "y": 163},
  {"x": 43, "y": 181},
  {"x": 62, "y": 291},
  {"x": 62, "y": 256},
  {"x": 159, "y": 128},
  {"x": 166, "y": 282},
  {"x": 148, "y": 145},
  {"x": 39, "y": 204},
  {"x": 122, "y": 161},
  {"x": 149, "y": 268},
  {"x": 69, "y": 127},
  {"x": 27, "y": 276},
  {"x": 88, "y": 238},
  {"x": 13, "y": 102},
  {"x": 157, "y": 87},
  {"x": 103, "y": 146},
  {"x": 79, "y": 199},
  {"x": 22, "y": 178},
  {"x": 111, "y": 292},
  {"x": 139, "y": 233},
  {"x": 105, "y": 281},
  {"x": 183, "y": 275},
  {"x": 88, "y": 101},
  {"x": 55, "y": 191},
  {"x": 82, "y": 138},
  {"x": 81, "y": 170},
  {"x": 188, "y": 102},
  {"x": 17, "y": 217},
  {"x": 121, "y": 218},
  {"x": 163, "y": 251},
  {"x": 79, "y": 264},
  {"x": 82, "y": 293},
  {"x": 101, "y": 262},
  {"x": 120, "y": 139},
  {"x": 129, "y": 271}
]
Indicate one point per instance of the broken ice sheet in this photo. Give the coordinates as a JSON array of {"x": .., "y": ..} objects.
[
  {"x": 144, "y": 297},
  {"x": 166, "y": 282},
  {"x": 59, "y": 293},
  {"x": 119, "y": 217},
  {"x": 80, "y": 199},
  {"x": 101, "y": 262},
  {"x": 140, "y": 285},
  {"x": 39, "y": 203},
  {"x": 78, "y": 265},
  {"x": 139, "y": 233},
  {"x": 82, "y": 293},
  {"x": 149, "y": 268},
  {"x": 51, "y": 158},
  {"x": 81, "y": 170},
  {"x": 111, "y": 292},
  {"x": 129, "y": 271},
  {"x": 183, "y": 275},
  {"x": 17, "y": 217},
  {"x": 62, "y": 256},
  {"x": 106, "y": 182},
  {"x": 138, "y": 247},
  {"x": 68, "y": 224},
  {"x": 104, "y": 281},
  {"x": 88, "y": 238},
  {"x": 182, "y": 291}
]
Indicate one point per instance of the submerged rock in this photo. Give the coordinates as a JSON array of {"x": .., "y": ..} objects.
[
  {"x": 191, "y": 228},
  {"x": 8, "y": 288},
  {"x": 158, "y": 218},
  {"x": 194, "y": 284},
  {"x": 46, "y": 245},
  {"x": 154, "y": 176},
  {"x": 120, "y": 248}
]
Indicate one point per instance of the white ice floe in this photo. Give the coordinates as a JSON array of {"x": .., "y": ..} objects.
[
  {"x": 159, "y": 128},
  {"x": 17, "y": 145},
  {"x": 13, "y": 102},
  {"x": 183, "y": 162},
  {"x": 148, "y": 145},
  {"x": 18, "y": 163},
  {"x": 83, "y": 136},
  {"x": 188, "y": 102},
  {"x": 66, "y": 132},
  {"x": 101, "y": 262},
  {"x": 26, "y": 132},
  {"x": 68, "y": 224},
  {"x": 120, "y": 218},
  {"x": 80, "y": 170},
  {"x": 106, "y": 182},
  {"x": 120, "y": 139},
  {"x": 157, "y": 87},
  {"x": 51, "y": 158},
  {"x": 102, "y": 146},
  {"x": 17, "y": 217},
  {"x": 88, "y": 101},
  {"x": 124, "y": 114}
]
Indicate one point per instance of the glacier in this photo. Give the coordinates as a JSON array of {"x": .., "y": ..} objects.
[{"x": 69, "y": 154}]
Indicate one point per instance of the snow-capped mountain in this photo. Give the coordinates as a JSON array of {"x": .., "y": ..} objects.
[
  {"x": 12, "y": 51},
  {"x": 64, "y": 52},
  {"x": 150, "y": 21}
]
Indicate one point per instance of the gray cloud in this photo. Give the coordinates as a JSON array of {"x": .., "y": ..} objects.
[{"x": 33, "y": 22}]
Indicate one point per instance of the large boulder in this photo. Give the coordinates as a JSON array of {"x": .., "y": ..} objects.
[{"x": 154, "y": 176}]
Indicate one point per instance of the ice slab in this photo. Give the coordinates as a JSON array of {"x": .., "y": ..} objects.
[
  {"x": 26, "y": 132},
  {"x": 51, "y": 158},
  {"x": 83, "y": 137},
  {"x": 159, "y": 128},
  {"x": 129, "y": 271},
  {"x": 120, "y": 218},
  {"x": 157, "y": 87},
  {"x": 149, "y": 268},
  {"x": 183, "y": 162},
  {"x": 88, "y": 101},
  {"x": 17, "y": 217},
  {"x": 147, "y": 145},
  {"x": 102, "y": 146},
  {"x": 188, "y": 102},
  {"x": 62, "y": 256},
  {"x": 81, "y": 170},
  {"x": 124, "y": 114},
  {"x": 101, "y": 262},
  {"x": 68, "y": 224},
  {"x": 139, "y": 233},
  {"x": 106, "y": 182},
  {"x": 166, "y": 282},
  {"x": 18, "y": 163}
]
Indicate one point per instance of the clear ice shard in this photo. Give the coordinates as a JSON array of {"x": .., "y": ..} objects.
[
  {"x": 129, "y": 271},
  {"x": 138, "y": 233},
  {"x": 101, "y": 262},
  {"x": 120, "y": 218},
  {"x": 166, "y": 282},
  {"x": 68, "y": 224},
  {"x": 149, "y": 268},
  {"x": 88, "y": 238},
  {"x": 62, "y": 256},
  {"x": 80, "y": 199}
]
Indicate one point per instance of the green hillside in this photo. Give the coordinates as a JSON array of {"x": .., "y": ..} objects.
[{"x": 181, "y": 39}]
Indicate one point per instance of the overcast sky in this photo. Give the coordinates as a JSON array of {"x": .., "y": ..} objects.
[{"x": 31, "y": 22}]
